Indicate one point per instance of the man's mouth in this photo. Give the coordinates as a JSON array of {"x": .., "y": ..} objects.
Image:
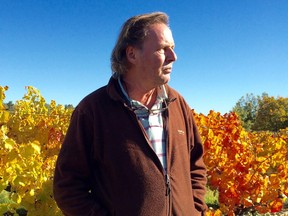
[{"x": 167, "y": 69}]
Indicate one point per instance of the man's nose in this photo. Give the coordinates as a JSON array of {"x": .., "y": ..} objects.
[{"x": 171, "y": 55}]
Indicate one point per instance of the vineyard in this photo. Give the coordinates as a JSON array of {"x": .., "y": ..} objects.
[{"x": 248, "y": 169}]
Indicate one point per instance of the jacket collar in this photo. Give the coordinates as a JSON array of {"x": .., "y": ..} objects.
[{"x": 115, "y": 92}]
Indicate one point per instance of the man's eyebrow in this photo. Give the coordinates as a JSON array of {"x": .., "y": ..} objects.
[{"x": 170, "y": 44}]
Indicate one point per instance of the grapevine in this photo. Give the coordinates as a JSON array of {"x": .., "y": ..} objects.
[
  {"x": 249, "y": 169},
  {"x": 30, "y": 139}
]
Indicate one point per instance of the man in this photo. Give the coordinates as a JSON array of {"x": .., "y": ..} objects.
[{"x": 132, "y": 147}]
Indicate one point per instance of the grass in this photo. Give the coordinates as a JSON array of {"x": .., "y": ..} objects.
[{"x": 211, "y": 198}]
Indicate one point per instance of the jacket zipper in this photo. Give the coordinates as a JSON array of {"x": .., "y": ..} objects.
[
  {"x": 168, "y": 190},
  {"x": 167, "y": 176}
]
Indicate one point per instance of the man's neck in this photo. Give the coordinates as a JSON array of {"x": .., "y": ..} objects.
[{"x": 144, "y": 96}]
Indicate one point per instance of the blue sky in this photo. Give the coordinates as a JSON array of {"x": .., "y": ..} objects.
[{"x": 225, "y": 48}]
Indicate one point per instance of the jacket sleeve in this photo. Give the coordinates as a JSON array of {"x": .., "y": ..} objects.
[
  {"x": 72, "y": 177},
  {"x": 198, "y": 171}
]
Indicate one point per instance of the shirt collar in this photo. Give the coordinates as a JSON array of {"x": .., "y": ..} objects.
[{"x": 161, "y": 94}]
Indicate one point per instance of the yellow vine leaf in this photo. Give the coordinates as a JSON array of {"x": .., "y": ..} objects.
[
  {"x": 32, "y": 192},
  {"x": 9, "y": 144},
  {"x": 18, "y": 198},
  {"x": 36, "y": 146},
  {"x": 4, "y": 116}
]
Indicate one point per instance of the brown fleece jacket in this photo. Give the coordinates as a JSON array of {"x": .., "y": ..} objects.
[{"x": 106, "y": 165}]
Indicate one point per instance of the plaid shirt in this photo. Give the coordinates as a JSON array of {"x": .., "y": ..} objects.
[{"x": 152, "y": 122}]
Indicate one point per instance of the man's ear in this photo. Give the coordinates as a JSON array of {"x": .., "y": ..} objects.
[{"x": 131, "y": 54}]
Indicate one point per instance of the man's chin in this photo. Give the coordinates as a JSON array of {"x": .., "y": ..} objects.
[
  {"x": 166, "y": 78},
  {"x": 166, "y": 81}
]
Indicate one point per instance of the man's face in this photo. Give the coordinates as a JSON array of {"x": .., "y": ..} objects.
[{"x": 153, "y": 62}]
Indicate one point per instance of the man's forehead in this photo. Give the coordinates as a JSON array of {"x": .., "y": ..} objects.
[{"x": 160, "y": 32}]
